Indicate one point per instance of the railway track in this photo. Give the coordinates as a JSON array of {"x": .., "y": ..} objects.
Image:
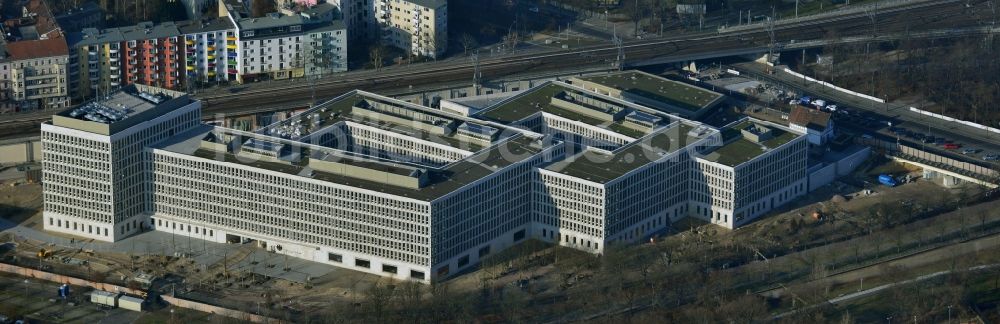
[{"x": 254, "y": 98}]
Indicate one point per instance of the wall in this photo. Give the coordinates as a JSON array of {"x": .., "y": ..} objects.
[
  {"x": 822, "y": 176},
  {"x": 847, "y": 165},
  {"x": 831, "y": 86},
  {"x": 20, "y": 150},
  {"x": 183, "y": 303}
]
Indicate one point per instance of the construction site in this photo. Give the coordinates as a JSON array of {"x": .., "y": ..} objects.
[{"x": 242, "y": 276}]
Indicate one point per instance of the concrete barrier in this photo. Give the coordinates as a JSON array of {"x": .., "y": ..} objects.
[
  {"x": 177, "y": 302},
  {"x": 834, "y": 87},
  {"x": 950, "y": 119}
]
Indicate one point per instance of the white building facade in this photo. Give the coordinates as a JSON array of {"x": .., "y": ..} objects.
[{"x": 390, "y": 188}]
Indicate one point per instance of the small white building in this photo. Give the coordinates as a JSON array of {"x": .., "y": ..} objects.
[{"x": 816, "y": 124}]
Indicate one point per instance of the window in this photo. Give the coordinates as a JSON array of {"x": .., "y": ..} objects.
[
  {"x": 463, "y": 261},
  {"x": 519, "y": 235},
  {"x": 416, "y": 274},
  {"x": 483, "y": 251},
  {"x": 388, "y": 268},
  {"x": 334, "y": 257},
  {"x": 362, "y": 263}
]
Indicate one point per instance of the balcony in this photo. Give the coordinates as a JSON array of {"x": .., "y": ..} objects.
[
  {"x": 189, "y": 42},
  {"x": 231, "y": 46},
  {"x": 231, "y": 38},
  {"x": 113, "y": 68},
  {"x": 211, "y": 56},
  {"x": 190, "y": 68}
]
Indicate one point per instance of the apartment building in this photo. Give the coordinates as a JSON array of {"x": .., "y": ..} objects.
[
  {"x": 147, "y": 53},
  {"x": 280, "y": 46},
  {"x": 387, "y": 187},
  {"x": 34, "y": 60},
  {"x": 419, "y": 27},
  {"x": 38, "y": 72},
  {"x": 358, "y": 17},
  {"x": 211, "y": 53}
]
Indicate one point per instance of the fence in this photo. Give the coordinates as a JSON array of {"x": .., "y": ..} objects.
[
  {"x": 979, "y": 171},
  {"x": 856, "y": 9},
  {"x": 834, "y": 87},
  {"x": 963, "y": 122}
]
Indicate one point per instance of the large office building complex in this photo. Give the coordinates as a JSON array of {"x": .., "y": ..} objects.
[{"x": 405, "y": 191}]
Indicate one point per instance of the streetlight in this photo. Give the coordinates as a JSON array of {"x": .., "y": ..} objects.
[{"x": 949, "y": 313}]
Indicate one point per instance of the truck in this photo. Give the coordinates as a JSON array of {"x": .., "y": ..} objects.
[{"x": 887, "y": 180}]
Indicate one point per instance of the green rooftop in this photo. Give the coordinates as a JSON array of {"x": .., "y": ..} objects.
[
  {"x": 602, "y": 168},
  {"x": 540, "y": 99},
  {"x": 675, "y": 93},
  {"x": 740, "y": 150}
]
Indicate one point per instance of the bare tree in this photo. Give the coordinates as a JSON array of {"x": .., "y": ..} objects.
[
  {"x": 377, "y": 55},
  {"x": 468, "y": 42}
]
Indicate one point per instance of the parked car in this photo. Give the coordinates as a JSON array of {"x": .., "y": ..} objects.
[
  {"x": 951, "y": 146},
  {"x": 968, "y": 151},
  {"x": 991, "y": 157},
  {"x": 927, "y": 140},
  {"x": 940, "y": 141}
]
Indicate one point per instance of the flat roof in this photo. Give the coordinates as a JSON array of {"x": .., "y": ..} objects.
[
  {"x": 602, "y": 168},
  {"x": 205, "y": 25},
  {"x": 741, "y": 150},
  {"x": 441, "y": 181},
  {"x": 338, "y": 110},
  {"x": 672, "y": 92},
  {"x": 540, "y": 99}
]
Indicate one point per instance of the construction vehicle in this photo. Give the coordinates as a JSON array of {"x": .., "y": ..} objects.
[
  {"x": 44, "y": 254},
  {"x": 887, "y": 180}
]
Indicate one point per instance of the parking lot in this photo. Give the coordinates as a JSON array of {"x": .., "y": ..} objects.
[{"x": 867, "y": 117}]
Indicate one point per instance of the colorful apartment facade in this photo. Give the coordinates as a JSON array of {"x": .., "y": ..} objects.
[{"x": 146, "y": 53}]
